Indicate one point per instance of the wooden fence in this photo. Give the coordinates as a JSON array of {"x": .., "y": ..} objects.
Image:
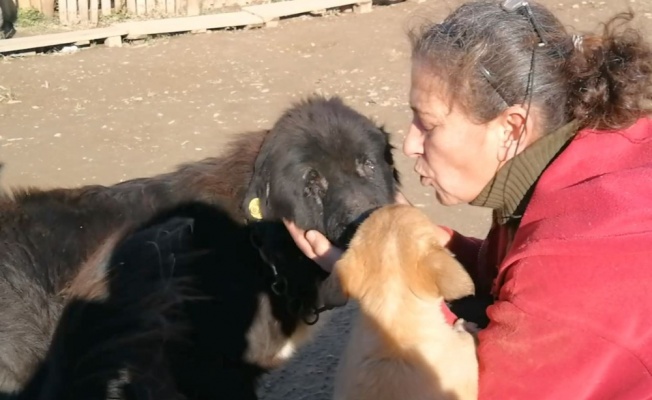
[
  {"x": 256, "y": 15},
  {"x": 88, "y": 12}
]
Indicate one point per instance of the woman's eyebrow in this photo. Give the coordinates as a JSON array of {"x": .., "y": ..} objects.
[
  {"x": 423, "y": 113},
  {"x": 416, "y": 110}
]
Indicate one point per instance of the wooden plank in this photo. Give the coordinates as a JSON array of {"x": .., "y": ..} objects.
[
  {"x": 72, "y": 11},
  {"x": 106, "y": 8},
  {"x": 150, "y": 6},
  {"x": 138, "y": 29},
  {"x": 35, "y": 4},
  {"x": 161, "y": 7},
  {"x": 180, "y": 7},
  {"x": 192, "y": 8},
  {"x": 212, "y": 4},
  {"x": 83, "y": 10},
  {"x": 94, "y": 11},
  {"x": 55, "y": 39},
  {"x": 273, "y": 11},
  {"x": 113, "y": 41},
  {"x": 363, "y": 7},
  {"x": 169, "y": 7},
  {"x": 25, "y": 5},
  {"x": 140, "y": 7},
  {"x": 63, "y": 12},
  {"x": 47, "y": 8},
  {"x": 131, "y": 7},
  {"x": 253, "y": 15}
]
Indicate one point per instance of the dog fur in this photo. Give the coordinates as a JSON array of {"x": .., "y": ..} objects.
[
  {"x": 322, "y": 165},
  {"x": 401, "y": 346},
  {"x": 9, "y": 14}
]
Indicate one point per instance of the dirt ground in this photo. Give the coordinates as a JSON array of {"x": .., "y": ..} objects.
[{"x": 103, "y": 115}]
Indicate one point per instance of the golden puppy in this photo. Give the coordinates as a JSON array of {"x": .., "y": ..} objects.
[{"x": 401, "y": 347}]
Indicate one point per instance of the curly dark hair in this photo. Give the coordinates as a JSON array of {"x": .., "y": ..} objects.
[{"x": 602, "y": 80}]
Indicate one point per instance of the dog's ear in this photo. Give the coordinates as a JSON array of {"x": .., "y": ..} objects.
[
  {"x": 450, "y": 277},
  {"x": 256, "y": 200}
]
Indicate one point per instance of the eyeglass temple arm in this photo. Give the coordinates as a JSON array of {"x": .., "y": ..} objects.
[{"x": 517, "y": 6}]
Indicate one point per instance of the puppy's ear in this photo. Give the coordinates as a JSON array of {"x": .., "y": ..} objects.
[
  {"x": 256, "y": 200},
  {"x": 451, "y": 279}
]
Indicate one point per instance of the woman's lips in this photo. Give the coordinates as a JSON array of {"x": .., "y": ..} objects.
[{"x": 425, "y": 181}]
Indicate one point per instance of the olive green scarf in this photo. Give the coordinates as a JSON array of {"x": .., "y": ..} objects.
[{"x": 509, "y": 192}]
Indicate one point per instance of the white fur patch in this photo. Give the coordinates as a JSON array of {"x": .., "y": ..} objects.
[
  {"x": 267, "y": 345},
  {"x": 286, "y": 351}
]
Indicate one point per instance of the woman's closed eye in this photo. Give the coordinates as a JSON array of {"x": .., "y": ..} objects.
[
  {"x": 424, "y": 126},
  {"x": 427, "y": 128}
]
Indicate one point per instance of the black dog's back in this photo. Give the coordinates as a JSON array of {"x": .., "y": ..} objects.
[
  {"x": 112, "y": 334},
  {"x": 175, "y": 306}
]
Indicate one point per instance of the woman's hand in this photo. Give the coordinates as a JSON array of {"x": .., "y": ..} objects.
[
  {"x": 315, "y": 246},
  {"x": 319, "y": 249},
  {"x": 401, "y": 199}
]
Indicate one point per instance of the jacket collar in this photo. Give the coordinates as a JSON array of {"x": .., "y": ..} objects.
[{"x": 509, "y": 191}]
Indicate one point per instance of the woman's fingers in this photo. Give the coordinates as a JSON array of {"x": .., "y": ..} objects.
[
  {"x": 318, "y": 242},
  {"x": 299, "y": 237},
  {"x": 314, "y": 245},
  {"x": 326, "y": 254}
]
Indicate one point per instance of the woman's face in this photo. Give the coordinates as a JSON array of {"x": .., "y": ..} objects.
[{"x": 454, "y": 155}]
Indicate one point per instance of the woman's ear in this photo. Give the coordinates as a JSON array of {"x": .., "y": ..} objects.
[{"x": 514, "y": 130}]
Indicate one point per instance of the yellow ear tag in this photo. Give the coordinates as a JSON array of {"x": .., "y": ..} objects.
[{"x": 254, "y": 208}]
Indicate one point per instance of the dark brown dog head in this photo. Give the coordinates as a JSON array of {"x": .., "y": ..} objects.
[{"x": 324, "y": 166}]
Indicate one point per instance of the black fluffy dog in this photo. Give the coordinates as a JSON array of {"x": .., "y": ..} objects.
[
  {"x": 194, "y": 283},
  {"x": 177, "y": 309}
]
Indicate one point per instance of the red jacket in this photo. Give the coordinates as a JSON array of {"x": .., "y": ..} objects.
[{"x": 572, "y": 317}]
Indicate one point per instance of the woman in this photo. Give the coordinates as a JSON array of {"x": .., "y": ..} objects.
[{"x": 550, "y": 130}]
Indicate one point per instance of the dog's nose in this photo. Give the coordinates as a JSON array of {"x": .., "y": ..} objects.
[{"x": 362, "y": 217}]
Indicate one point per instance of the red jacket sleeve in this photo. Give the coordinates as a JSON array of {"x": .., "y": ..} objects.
[
  {"x": 569, "y": 330},
  {"x": 468, "y": 252}
]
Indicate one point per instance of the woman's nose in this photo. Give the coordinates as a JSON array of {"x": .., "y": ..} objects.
[{"x": 413, "y": 143}]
